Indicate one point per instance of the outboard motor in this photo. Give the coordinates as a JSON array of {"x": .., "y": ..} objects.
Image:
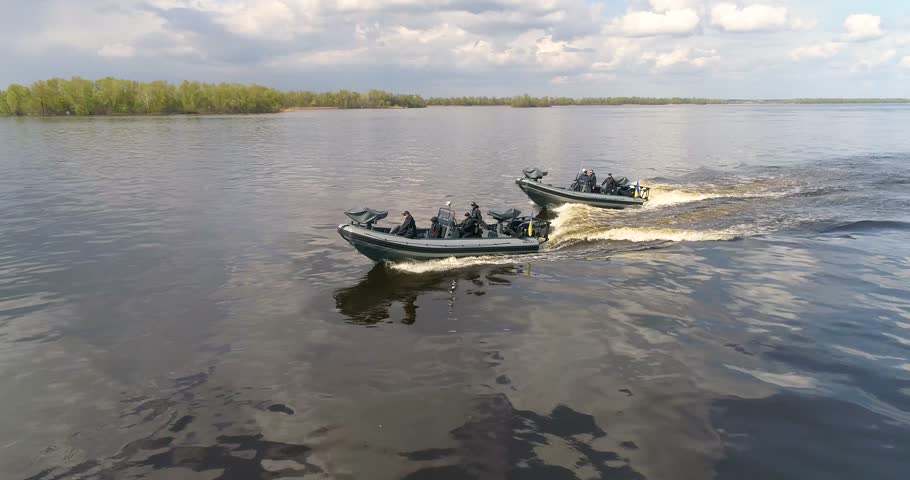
[
  {"x": 533, "y": 227},
  {"x": 506, "y": 221}
]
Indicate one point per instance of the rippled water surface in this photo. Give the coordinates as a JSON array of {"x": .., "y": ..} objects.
[{"x": 175, "y": 302}]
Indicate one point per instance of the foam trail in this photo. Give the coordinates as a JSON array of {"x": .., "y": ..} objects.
[
  {"x": 666, "y": 195},
  {"x": 640, "y": 235},
  {"x": 573, "y": 215},
  {"x": 663, "y": 195},
  {"x": 452, "y": 263},
  {"x": 581, "y": 223}
]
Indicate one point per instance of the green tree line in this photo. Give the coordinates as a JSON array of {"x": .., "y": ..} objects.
[{"x": 111, "y": 96}]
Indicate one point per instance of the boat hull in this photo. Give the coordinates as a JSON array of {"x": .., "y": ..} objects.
[
  {"x": 380, "y": 246},
  {"x": 546, "y": 195}
]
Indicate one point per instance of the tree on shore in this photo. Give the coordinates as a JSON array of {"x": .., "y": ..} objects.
[
  {"x": 527, "y": 101},
  {"x": 17, "y": 100}
]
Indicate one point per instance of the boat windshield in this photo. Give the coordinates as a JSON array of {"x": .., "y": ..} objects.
[{"x": 446, "y": 217}]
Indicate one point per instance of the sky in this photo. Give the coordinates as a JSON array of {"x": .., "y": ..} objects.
[{"x": 704, "y": 48}]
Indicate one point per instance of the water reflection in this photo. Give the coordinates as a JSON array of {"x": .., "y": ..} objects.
[
  {"x": 500, "y": 441},
  {"x": 497, "y": 441},
  {"x": 371, "y": 300},
  {"x": 188, "y": 442}
]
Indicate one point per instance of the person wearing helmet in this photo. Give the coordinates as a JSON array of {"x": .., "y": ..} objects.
[{"x": 475, "y": 213}]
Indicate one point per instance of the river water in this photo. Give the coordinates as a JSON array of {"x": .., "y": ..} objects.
[{"x": 175, "y": 302}]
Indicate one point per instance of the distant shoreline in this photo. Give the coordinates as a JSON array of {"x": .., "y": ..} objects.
[
  {"x": 115, "y": 97},
  {"x": 305, "y": 109},
  {"x": 298, "y": 109}
]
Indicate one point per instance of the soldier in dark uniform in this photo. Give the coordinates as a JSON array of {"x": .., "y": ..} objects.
[
  {"x": 475, "y": 213},
  {"x": 609, "y": 185},
  {"x": 580, "y": 181},
  {"x": 408, "y": 228},
  {"x": 468, "y": 226}
]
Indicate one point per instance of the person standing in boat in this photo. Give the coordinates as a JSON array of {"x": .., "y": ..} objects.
[
  {"x": 469, "y": 226},
  {"x": 475, "y": 213},
  {"x": 580, "y": 181},
  {"x": 408, "y": 228},
  {"x": 592, "y": 181},
  {"x": 609, "y": 185}
]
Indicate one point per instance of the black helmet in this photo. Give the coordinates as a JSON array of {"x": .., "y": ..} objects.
[{"x": 433, "y": 219}]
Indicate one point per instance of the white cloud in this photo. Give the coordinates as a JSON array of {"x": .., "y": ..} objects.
[
  {"x": 261, "y": 18},
  {"x": 863, "y": 27},
  {"x": 481, "y": 53},
  {"x": 874, "y": 59},
  {"x": 644, "y": 23},
  {"x": 502, "y": 19},
  {"x": 587, "y": 77},
  {"x": 350, "y": 6},
  {"x": 324, "y": 58},
  {"x": 905, "y": 62},
  {"x": 682, "y": 59},
  {"x": 803, "y": 23},
  {"x": 534, "y": 48},
  {"x": 117, "y": 50},
  {"x": 817, "y": 51},
  {"x": 72, "y": 25},
  {"x": 280, "y": 20},
  {"x": 555, "y": 55},
  {"x": 619, "y": 51},
  {"x": 440, "y": 36},
  {"x": 757, "y": 17},
  {"x": 665, "y": 5}
]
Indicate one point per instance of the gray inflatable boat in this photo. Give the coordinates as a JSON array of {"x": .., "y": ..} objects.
[
  {"x": 625, "y": 195},
  {"x": 510, "y": 235}
]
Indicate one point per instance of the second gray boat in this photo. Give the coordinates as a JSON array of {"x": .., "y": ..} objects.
[{"x": 546, "y": 195}]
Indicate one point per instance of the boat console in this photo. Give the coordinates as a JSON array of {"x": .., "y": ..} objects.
[{"x": 446, "y": 219}]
